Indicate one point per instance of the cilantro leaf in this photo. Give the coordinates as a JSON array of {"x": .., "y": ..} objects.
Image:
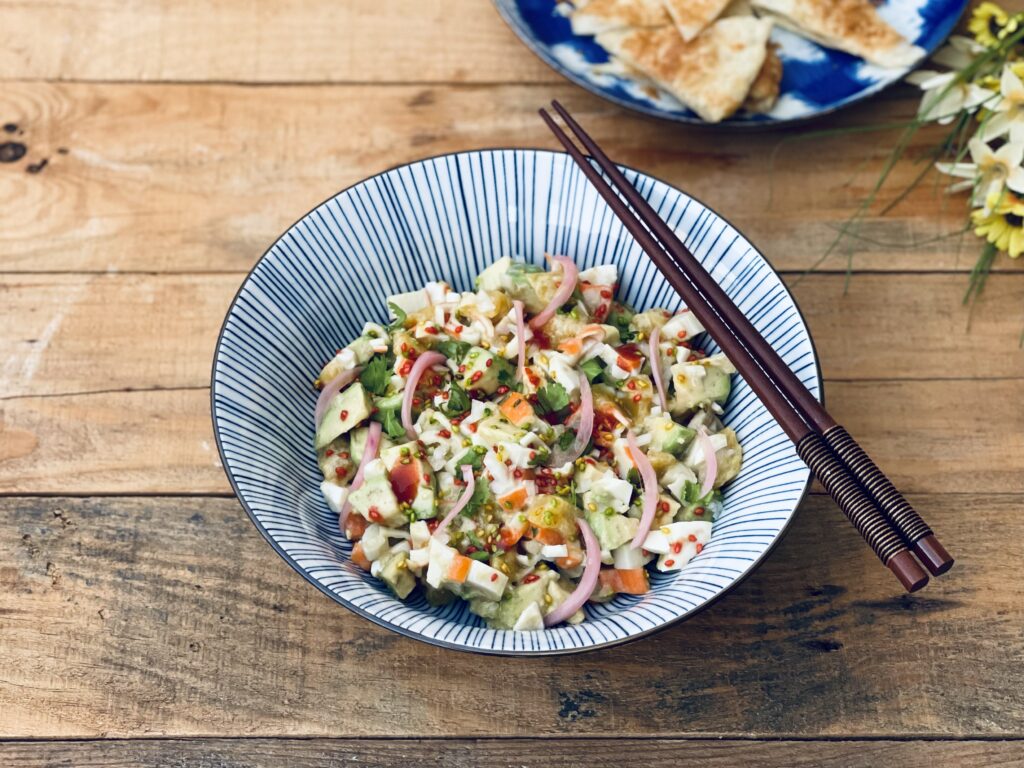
[
  {"x": 391, "y": 423},
  {"x": 592, "y": 368},
  {"x": 552, "y": 398},
  {"x": 458, "y": 400},
  {"x": 472, "y": 457},
  {"x": 481, "y": 495},
  {"x": 399, "y": 314},
  {"x": 566, "y": 438},
  {"x": 453, "y": 350},
  {"x": 375, "y": 375}
]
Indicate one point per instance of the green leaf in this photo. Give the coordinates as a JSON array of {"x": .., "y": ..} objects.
[
  {"x": 391, "y": 422},
  {"x": 472, "y": 457},
  {"x": 453, "y": 350},
  {"x": 566, "y": 438},
  {"x": 552, "y": 398},
  {"x": 592, "y": 368},
  {"x": 399, "y": 314},
  {"x": 458, "y": 400},
  {"x": 375, "y": 375}
]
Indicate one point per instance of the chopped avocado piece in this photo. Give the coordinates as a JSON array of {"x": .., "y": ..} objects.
[
  {"x": 645, "y": 322},
  {"x": 614, "y": 530},
  {"x": 389, "y": 402},
  {"x": 549, "y": 511},
  {"x": 607, "y": 492},
  {"x": 335, "y": 460},
  {"x": 717, "y": 385},
  {"x": 358, "y": 445},
  {"x": 484, "y": 608},
  {"x": 495, "y": 277},
  {"x": 496, "y": 429},
  {"x": 437, "y": 597},
  {"x": 356, "y": 353},
  {"x": 482, "y": 369},
  {"x": 374, "y": 499},
  {"x": 559, "y": 591},
  {"x": 518, "y": 598},
  {"x": 346, "y": 410},
  {"x": 730, "y": 459},
  {"x": 668, "y": 436},
  {"x": 395, "y": 572}
]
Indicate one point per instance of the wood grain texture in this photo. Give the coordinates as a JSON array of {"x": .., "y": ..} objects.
[
  {"x": 70, "y": 334},
  {"x": 205, "y": 177},
  {"x": 928, "y": 436},
  {"x": 234, "y": 40},
  {"x": 172, "y": 617},
  {"x": 518, "y": 753}
]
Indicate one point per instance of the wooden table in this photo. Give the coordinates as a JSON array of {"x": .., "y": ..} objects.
[{"x": 143, "y": 620}]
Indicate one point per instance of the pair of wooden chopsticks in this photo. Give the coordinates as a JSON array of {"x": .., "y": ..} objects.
[{"x": 865, "y": 495}]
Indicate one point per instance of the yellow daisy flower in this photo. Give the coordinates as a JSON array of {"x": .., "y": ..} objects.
[
  {"x": 1004, "y": 226},
  {"x": 987, "y": 22}
]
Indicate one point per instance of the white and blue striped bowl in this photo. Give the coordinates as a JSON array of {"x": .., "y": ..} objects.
[
  {"x": 446, "y": 218},
  {"x": 815, "y": 80}
]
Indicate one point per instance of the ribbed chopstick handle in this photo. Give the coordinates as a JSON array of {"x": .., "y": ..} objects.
[
  {"x": 861, "y": 511},
  {"x": 915, "y": 531}
]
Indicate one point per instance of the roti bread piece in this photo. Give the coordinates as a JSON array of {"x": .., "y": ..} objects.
[
  {"x": 691, "y": 17},
  {"x": 710, "y": 74},
  {"x": 599, "y": 16},
  {"x": 853, "y": 26}
]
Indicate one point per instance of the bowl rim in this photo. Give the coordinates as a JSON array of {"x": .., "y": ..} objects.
[
  {"x": 433, "y": 640},
  {"x": 729, "y": 124}
]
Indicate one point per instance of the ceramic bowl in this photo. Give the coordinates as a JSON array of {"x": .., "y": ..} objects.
[{"x": 447, "y": 218}]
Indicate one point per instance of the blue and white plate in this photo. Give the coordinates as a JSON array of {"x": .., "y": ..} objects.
[
  {"x": 815, "y": 80},
  {"x": 447, "y": 218}
]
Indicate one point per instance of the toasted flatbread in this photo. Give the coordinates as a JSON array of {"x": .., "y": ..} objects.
[
  {"x": 693, "y": 16},
  {"x": 711, "y": 74},
  {"x": 599, "y": 16},
  {"x": 764, "y": 91},
  {"x": 853, "y": 26}
]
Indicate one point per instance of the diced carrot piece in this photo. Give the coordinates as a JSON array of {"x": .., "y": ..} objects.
[
  {"x": 550, "y": 536},
  {"x": 458, "y": 571},
  {"x": 359, "y": 557},
  {"x": 516, "y": 408},
  {"x": 633, "y": 581},
  {"x": 514, "y": 499},
  {"x": 355, "y": 527}
]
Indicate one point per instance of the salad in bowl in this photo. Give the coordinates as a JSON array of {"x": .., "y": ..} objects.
[{"x": 528, "y": 447}]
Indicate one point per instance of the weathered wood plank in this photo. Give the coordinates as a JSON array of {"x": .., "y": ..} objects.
[
  {"x": 300, "y": 41},
  {"x": 929, "y": 436},
  {"x": 172, "y": 617},
  {"x": 82, "y": 333},
  {"x": 200, "y": 178},
  {"x": 519, "y": 753}
]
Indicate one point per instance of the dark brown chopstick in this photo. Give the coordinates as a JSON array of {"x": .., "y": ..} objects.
[
  {"x": 852, "y": 499},
  {"x": 908, "y": 523}
]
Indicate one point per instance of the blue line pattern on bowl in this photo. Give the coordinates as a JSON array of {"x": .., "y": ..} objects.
[
  {"x": 447, "y": 218},
  {"x": 815, "y": 81}
]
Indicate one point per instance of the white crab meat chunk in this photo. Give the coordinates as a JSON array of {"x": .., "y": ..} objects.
[
  {"x": 334, "y": 495},
  {"x": 375, "y": 542},
  {"x": 445, "y": 568},
  {"x": 419, "y": 559},
  {"x": 419, "y": 534},
  {"x": 678, "y": 543},
  {"x": 410, "y": 302},
  {"x": 561, "y": 369},
  {"x": 685, "y": 322},
  {"x": 602, "y": 274},
  {"x": 611, "y": 491},
  {"x": 554, "y": 551}
]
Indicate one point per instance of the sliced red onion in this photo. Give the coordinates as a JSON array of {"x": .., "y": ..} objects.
[
  {"x": 588, "y": 580},
  {"x": 655, "y": 356},
  {"x": 423, "y": 362},
  {"x": 467, "y": 475},
  {"x": 521, "y": 335},
  {"x": 369, "y": 454},
  {"x": 330, "y": 389},
  {"x": 710, "y": 461},
  {"x": 650, "y": 480},
  {"x": 569, "y": 276}
]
